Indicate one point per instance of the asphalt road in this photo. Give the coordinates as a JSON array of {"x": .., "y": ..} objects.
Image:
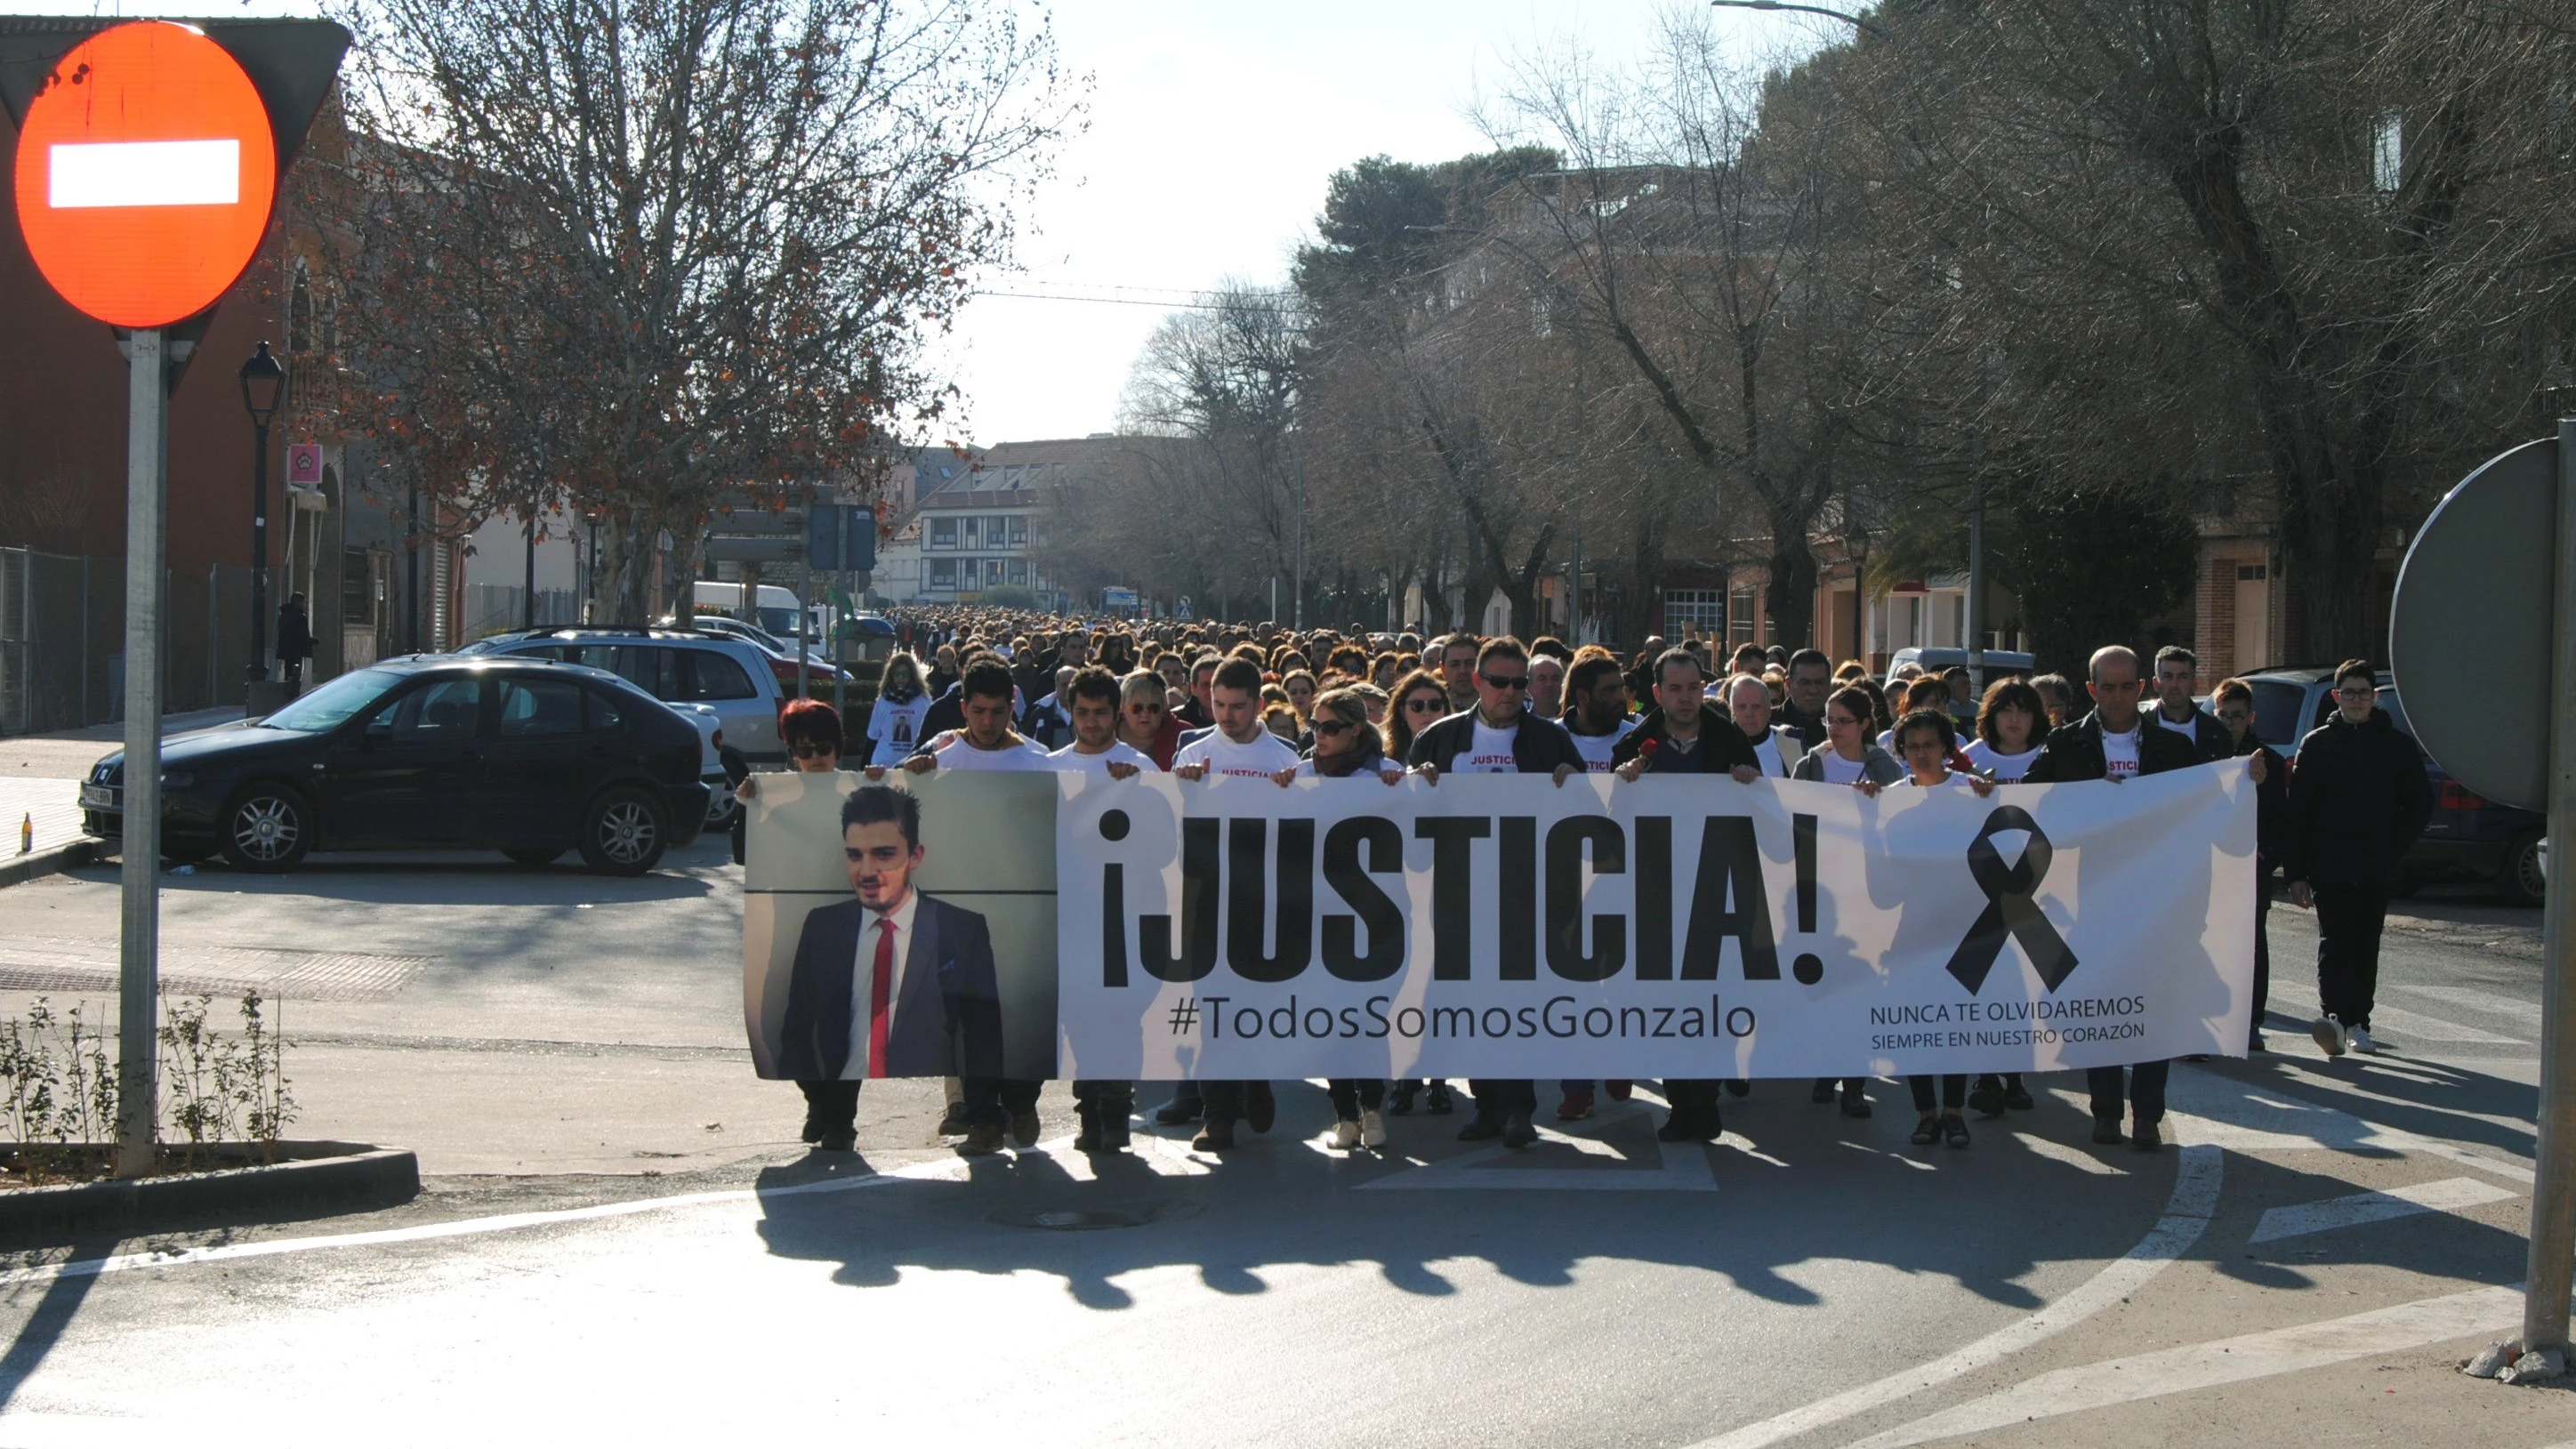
[{"x": 2326, "y": 1242}]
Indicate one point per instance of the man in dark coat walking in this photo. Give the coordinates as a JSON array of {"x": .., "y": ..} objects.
[
  {"x": 2358, "y": 799},
  {"x": 294, "y": 642}
]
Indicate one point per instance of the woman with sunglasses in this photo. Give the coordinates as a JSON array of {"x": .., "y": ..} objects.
[
  {"x": 1145, "y": 719},
  {"x": 1347, "y": 749},
  {"x": 1419, "y": 701}
]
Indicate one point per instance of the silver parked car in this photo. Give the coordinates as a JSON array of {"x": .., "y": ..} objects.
[{"x": 675, "y": 666}]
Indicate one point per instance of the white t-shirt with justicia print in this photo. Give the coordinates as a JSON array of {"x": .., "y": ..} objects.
[{"x": 1265, "y": 757}]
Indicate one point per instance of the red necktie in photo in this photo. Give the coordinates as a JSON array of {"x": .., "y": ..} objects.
[{"x": 880, "y": 990}]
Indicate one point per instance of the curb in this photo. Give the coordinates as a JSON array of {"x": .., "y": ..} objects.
[
  {"x": 19, "y": 869},
  {"x": 339, "y": 1175}
]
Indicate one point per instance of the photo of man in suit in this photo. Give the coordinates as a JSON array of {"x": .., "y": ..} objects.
[{"x": 896, "y": 984}]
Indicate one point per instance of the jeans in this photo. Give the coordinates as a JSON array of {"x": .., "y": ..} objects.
[{"x": 2350, "y": 916}]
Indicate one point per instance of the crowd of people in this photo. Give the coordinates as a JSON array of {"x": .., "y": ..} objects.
[{"x": 979, "y": 691}]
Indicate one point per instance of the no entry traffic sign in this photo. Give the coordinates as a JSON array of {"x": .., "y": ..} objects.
[{"x": 146, "y": 171}]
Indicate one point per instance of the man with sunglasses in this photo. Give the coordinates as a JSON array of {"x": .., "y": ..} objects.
[
  {"x": 1500, "y": 736},
  {"x": 2358, "y": 800},
  {"x": 2116, "y": 742}
]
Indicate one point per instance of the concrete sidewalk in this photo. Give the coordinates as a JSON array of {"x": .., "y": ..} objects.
[{"x": 68, "y": 754}]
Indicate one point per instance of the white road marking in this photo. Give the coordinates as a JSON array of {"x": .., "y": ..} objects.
[
  {"x": 2525, "y": 1014},
  {"x": 2224, "y": 1361},
  {"x": 2187, "y": 1211},
  {"x": 2448, "y": 1195},
  {"x": 143, "y": 173},
  {"x": 2407, "y": 1024}
]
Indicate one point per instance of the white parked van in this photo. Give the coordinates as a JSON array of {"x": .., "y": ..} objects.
[{"x": 775, "y": 612}]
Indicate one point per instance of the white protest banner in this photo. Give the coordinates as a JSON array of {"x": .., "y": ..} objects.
[{"x": 1674, "y": 926}]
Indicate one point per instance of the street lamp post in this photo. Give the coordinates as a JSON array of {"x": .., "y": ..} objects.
[{"x": 263, "y": 379}]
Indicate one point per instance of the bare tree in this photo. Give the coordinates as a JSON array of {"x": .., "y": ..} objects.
[{"x": 629, "y": 256}]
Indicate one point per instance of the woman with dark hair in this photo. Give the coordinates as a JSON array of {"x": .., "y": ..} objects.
[
  {"x": 1848, "y": 758},
  {"x": 1418, "y": 701},
  {"x": 1924, "y": 735},
  {"x": 2009, "y": 730},
  {"x": 1878, "y": 718}
]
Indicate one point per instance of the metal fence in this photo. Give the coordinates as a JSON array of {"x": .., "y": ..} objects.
[{"x": 62, "y": 639}]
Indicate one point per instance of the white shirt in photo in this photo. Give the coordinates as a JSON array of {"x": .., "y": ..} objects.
[
  {"x": 1597, "y": 749},
  {"x": 1266, "y": 756},
  {"x": 1073, "y": 761},
  {"x": 2004, "y": 769},
  {"x": 2189, "y": 728},
  {"x": 1489, "y": 751},
  {"x": 1839, "y": 771},
  {"x": 960, "y": 754},
  {"x": 863, "y": 972},
  {"x": 2119, "y": 755}
]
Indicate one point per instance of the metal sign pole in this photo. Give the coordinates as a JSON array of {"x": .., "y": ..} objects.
[
  {"x": 2553, "y": 1188},
  {"x": 139, "y": 988}
]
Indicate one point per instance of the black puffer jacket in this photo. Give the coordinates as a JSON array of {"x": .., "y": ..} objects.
[{"x": 2358, "y": 799}]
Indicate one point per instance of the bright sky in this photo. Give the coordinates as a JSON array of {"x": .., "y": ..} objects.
[{"x": 1214, "y": 127}]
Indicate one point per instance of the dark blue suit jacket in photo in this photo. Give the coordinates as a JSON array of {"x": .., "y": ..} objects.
[{"x": 947, "y": 1019}]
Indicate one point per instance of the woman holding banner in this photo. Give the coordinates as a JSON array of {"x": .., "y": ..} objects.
[
  {"x": 1346, "y": 748},
  {"x": 1924, "y": 736},
  {"x": 1419, "y": 700},
  {"x": 1848, "y": 758}
]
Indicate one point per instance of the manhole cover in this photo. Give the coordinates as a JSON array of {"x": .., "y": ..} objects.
[{"x": 1093, "y": 1219}]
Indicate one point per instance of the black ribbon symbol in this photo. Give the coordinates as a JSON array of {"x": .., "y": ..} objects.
[{"x": 2009, "y": 910}]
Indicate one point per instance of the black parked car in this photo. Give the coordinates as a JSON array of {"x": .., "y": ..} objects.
[{"x": 522, "y": 756}]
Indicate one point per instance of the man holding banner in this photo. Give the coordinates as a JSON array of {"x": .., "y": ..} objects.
[
  {"x": 1500, "y": 736},
  {"x": 2115, "y": 743}
]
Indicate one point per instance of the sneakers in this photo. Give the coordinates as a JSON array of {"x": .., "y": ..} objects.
[
  {"x": 1986, "y": 1099},
  {"x": 1215, "y": 1135},
  {"x": 2329, "y": 1035},
  {"x": 1575, "y": 1107},
  {"x": 2145, "y": 1138},
  {"x": 1399, "y": 1098},
  {"x": 1372, "y": 1127},
  {"x": 1346, "y": 1135},
  {"x": 1437, "y": 1101},
  {"x": 1517, "y": 1130},
  {"x": 2106, "y": 1131},
  {"x": 2360, "y": 1042},
  {"x": 1024, "y": 1129}
]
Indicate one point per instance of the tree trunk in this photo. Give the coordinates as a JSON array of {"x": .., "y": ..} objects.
[
  {"x": 2330, "y": 543},
  {"x": 1790, "y": 597}
]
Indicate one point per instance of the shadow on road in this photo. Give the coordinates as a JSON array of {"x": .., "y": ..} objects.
[
  {"x": 52, "y": 1314},
  {"x": 446, "y": 879},
  {"x": 1815, "y": 1187}
]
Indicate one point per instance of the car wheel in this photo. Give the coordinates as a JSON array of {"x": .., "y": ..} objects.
[
  {"x": 622, "y": 833},
  {"x": 2522, "y": 882},
  {"x": 268, "y": 828},
  {"x": 720, "y": 807},
  {"x": 532, "y": 857}
]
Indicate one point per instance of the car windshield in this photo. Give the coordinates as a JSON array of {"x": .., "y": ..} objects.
[
  {"x": 779, "y": 622},
  {"x": 330, "y": 706}
]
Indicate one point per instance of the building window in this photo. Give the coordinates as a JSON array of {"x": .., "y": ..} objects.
[
  {"x": 1019, "y": 530},
  {"x": 357, "y": 588},
  {"x": 1686, "y": 608},
  {"x": 974, "y": 531},
  {"x": 2251, "y": 573},
  {"x": 997, "y": 529},
  {"x": 992, "y": 573},
  {"x": 943, "y": 573},
  {"x": 943, "y": 533},
  {"x": 1739, "y": 618},
  {"x": 1020, "y": 572}
]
